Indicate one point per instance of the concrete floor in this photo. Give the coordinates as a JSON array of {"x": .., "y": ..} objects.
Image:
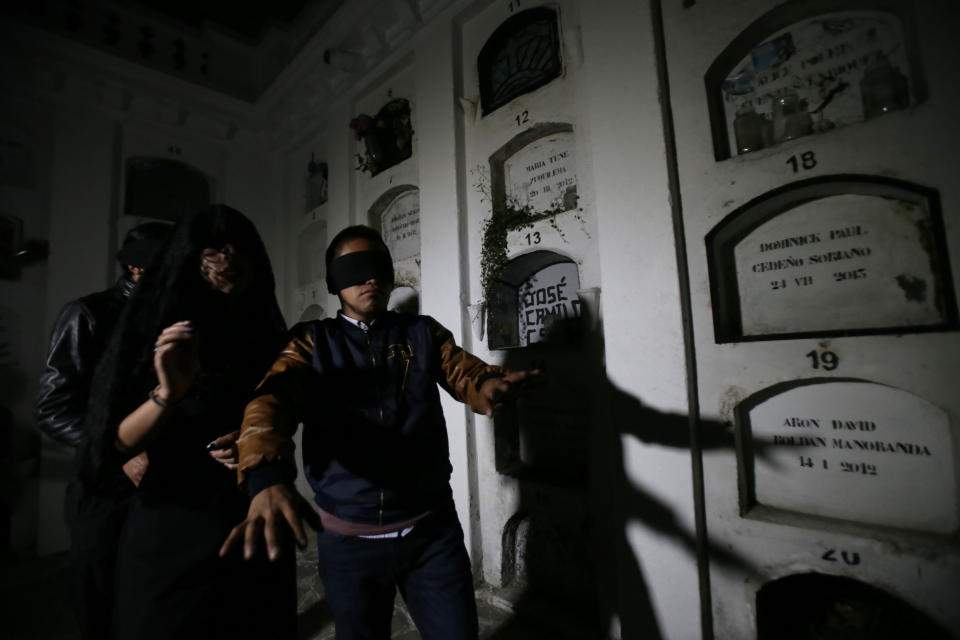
[{"x": 36, "y": 604}]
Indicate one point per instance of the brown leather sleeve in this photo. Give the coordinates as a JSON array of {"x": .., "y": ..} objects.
[
  {"x": 271, "y": 418},
  {"x": 461, "y": 370}
]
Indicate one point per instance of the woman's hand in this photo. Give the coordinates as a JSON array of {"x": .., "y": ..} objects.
[
  {"x": 135, "y": 467},
  {"x": 224, "y": 450},
  {"x": 176, "y": 360}
]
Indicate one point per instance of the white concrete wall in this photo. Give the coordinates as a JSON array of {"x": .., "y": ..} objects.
[{"x": 642, "y": 322}]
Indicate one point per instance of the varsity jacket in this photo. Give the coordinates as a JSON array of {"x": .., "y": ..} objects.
[{"x": 374, "y": 440}]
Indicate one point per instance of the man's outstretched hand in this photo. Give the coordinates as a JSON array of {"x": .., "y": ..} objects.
[
  {"x": 268, "y": 511},
  {"x": 495, "y": 390}
]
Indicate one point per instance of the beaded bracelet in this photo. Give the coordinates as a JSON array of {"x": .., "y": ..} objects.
[{"x": 166, "y": 404}]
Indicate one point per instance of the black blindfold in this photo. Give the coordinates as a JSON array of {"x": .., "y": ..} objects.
[{"x": 358, "y": 267}]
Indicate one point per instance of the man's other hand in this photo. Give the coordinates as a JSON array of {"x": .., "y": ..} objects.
[{"x": 494, "y": 391}]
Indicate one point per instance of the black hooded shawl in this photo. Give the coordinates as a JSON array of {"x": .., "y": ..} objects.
[{"x": 239, "y": 336}]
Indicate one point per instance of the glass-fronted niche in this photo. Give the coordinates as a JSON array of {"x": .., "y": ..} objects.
[
  {"x": 522, "y": 55},
  {"x": 808, "y": 68}
]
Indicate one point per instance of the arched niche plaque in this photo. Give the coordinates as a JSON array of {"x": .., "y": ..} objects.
[
  {"x": 849, "y": 449},
  {"x": 534, "y": 291},
  {"x": 396, "y": 214},
  {"x": 164, "y": 189},
  {"x": 809, "y": 67},
  {"x": 535, "y": 172},
  {"x": 542, "y": 176},
  {"x": 836, "y": 255},
  {"x": 311, "y": 247},
  {"x": 522, "y": 55}
]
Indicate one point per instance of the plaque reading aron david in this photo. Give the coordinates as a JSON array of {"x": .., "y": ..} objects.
[
  {"x": 831, "y": 257},
  {"x": 858, "y": 451}
]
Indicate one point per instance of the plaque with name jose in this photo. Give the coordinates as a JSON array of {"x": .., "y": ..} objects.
[
  {"x": 858, "y": 451},
  {"x": 534, "y": 291},
  {"x": 829, "y": 263},
  {"x": 542, "y": 175},
  {"x": 546, "y": 297}
]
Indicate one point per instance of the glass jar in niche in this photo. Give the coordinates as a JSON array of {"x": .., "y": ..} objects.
[
  {"x": 751, "y": 130},
  {"x": 790, "y": 118},
  {"x": 883, "y": 88}
]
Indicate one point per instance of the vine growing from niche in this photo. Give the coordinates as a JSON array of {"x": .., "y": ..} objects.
[{"x": 505, "y": 217}]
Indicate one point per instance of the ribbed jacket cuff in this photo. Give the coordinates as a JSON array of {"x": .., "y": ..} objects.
[{"x": 269, "y": 474}]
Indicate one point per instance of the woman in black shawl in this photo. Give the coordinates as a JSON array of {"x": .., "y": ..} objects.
[{"x": 191, "y": 345}]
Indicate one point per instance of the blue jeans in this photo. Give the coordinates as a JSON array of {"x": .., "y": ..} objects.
[{"x": 429, "y": 566}]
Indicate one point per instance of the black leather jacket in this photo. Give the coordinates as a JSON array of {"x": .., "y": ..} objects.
[{"x": 77, "y": 341}]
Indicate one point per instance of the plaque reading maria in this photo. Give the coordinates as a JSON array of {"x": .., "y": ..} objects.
[
  {"x": 542, "y": 176},
  {"x": 818, "y": 73},
  {"x": 858, "y": 451},
  {"x": 814, "y": 259}
]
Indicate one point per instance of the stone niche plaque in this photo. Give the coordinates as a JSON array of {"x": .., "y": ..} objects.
[
  {"x": 534, "y": 292},
  {"x": 813, "y": 259},
  {"x": 857, "y": 451},
  {"x": 401, "y": 225},
  {"x": 807, "y": 68},
  {"x": 542, "y": 176},
  {"x": 397, "y": 214},
  {"x": 545, "y": 297}
]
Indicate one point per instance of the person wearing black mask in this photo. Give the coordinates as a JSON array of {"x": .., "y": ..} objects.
[{"x": 79, "y": 337}]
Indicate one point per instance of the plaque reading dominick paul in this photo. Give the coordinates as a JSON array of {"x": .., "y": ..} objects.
[
  {"x": 859, "y": 451},
  {"x": 832, "y": 263},
  {"x": 832, "y": 256}
]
